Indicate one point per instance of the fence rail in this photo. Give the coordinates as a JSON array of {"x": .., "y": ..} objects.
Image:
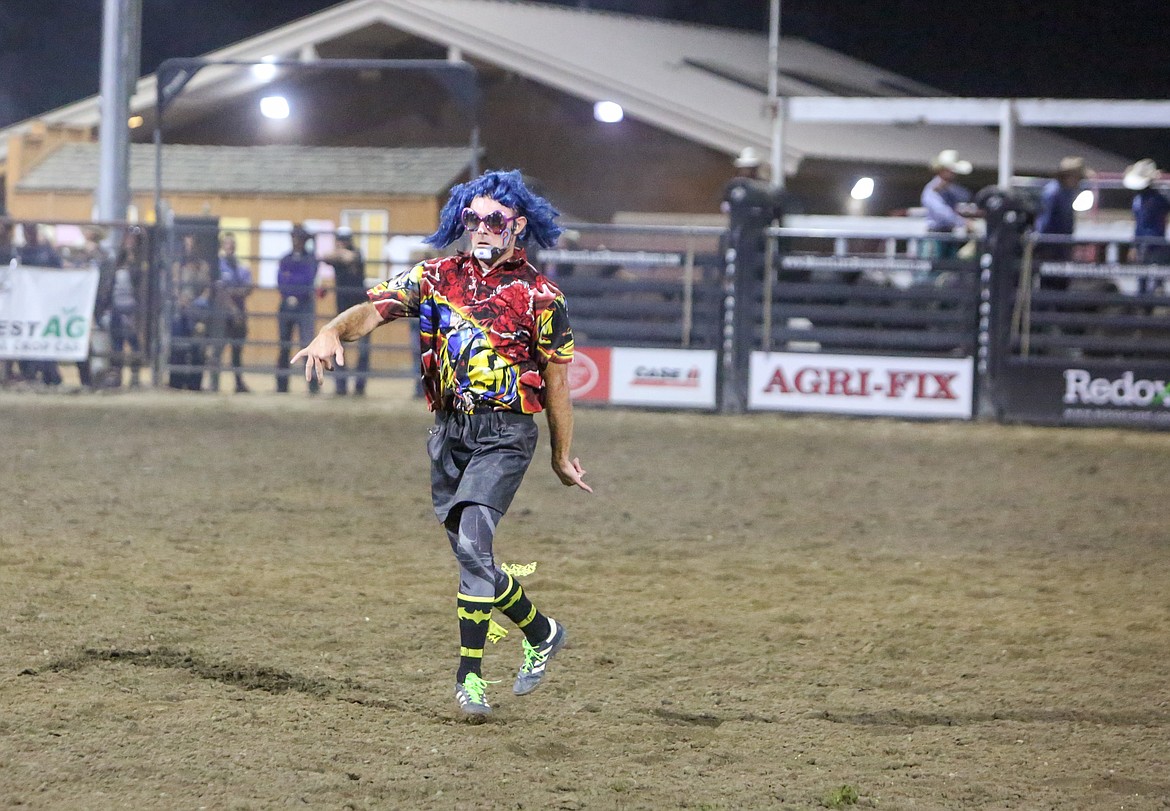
[{"x": 1031, "y": 312}]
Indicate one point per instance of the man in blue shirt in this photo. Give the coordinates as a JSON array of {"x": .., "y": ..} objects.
[
  {"x": 296, "y": 279},
  {"x": 1056, "y": 217},
  {"x": 1151, "y": 209},
  {"x": 946, "y": 202}
]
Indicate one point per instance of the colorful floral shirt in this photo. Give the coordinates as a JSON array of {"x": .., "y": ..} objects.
[{"x": 484, "y": 337}]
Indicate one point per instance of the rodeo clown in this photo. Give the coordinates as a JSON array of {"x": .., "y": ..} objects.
[{"x": 495, "y": 348}]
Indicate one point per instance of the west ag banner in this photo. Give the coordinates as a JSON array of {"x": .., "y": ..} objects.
[
  {"x": 862, "y": 384},
  {"x": 46, "y": 313},
  {"x": 1085, "y": 394}
]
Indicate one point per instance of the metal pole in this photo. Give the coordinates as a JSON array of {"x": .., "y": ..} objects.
[
  {"x": 1007, "y": 142},
  {"x": 688, "y": 292},
  {"x": 121, "y": 20},
  {"x": 775, "y": 105}
]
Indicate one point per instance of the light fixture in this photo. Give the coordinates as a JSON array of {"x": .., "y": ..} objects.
[
  {"x": 862, "y": 189},
  {"x": 134, "y": 122},
  {"x": 608, "y": 112},
  {"x": 1084, "y": 201},
  {"x": 275, "y": 107},
  {"x": 265, "y": 72}
]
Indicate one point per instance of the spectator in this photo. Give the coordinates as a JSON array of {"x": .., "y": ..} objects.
[
  {"x": 192, "y": 279},
  {"x": 751, "y": 205},
  {"x": 130, "y": 271},
  {"x": 7, "y": 249},
  {"x": 93, "y": 254},
  {"x": 37, "y": 253},
  {"x": 1057, "y": 218},
  {"x": 349, "y": 272},
  {"x": 296, "y": 279},
  {"x": 232, "y": 289},
  {"x": 1150, "y": 211},
  {"x": 7, "y": 255},
  {"x": 948, "y": 204}
]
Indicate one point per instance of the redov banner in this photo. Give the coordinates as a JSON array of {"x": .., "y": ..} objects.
[{"x": 1089, "y": 394}]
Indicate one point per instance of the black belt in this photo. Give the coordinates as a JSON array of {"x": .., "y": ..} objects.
[{"x": 451, "y": 413}]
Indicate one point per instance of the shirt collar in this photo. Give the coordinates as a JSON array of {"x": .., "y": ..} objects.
[{"x": 518, "y": 259}]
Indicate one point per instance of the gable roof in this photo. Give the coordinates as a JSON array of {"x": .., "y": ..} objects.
[
  {"x": 704, "y": 83},
  {"x": 297, "y": 170}
]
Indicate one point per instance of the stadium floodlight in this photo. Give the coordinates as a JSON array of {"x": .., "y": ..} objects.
[
  {"x": 608, "y": 112},
  {"x": 275, "y": 107},
  {"x": 265, "y": 72},
  {"x": 1084, "y": 201},
  {"x": 862, "y": 189}
]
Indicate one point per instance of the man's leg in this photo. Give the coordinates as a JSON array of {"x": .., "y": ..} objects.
[
  {"x": 543, "y": 636},
  {"x": 306, "y": 330},
  {"x": 363, "y": 366},
  {"x": 238, "y": 333},
  {"x": 471, "y": 529},
  {"x": 285, "y": 321}
]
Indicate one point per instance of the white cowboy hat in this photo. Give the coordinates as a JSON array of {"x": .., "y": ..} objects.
[
  {"x": 748, "y": 158},
  {"x": 949, "y": 159},
  {"x": 1140, "y": 175},
  {"x": 1073, "y": 165}
]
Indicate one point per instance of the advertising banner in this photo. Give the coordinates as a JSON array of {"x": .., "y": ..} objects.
[
  {"x": 589, "y": 374},
  {"x": 862, "y": 384},
  {"x": 46, "y": 313},
  {"x": 678, "y": 378},
  {"x": 1085, "y": 394}
]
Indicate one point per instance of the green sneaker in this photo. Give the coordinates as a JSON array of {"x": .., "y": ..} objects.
[
  {"x": 536, "y": 659},
  {"x": 471, "y": 697}
]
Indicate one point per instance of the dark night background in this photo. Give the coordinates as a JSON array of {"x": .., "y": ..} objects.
[{"x": 50, "y": 49}]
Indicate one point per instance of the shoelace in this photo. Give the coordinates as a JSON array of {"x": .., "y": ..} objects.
[
  {"x": 533, "y": 658},
  {"x": 475, "y": 687}
]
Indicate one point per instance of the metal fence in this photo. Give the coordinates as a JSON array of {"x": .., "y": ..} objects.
[{"x": 1039, "y": 315}]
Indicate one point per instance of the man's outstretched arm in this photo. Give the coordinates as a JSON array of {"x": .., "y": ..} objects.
[{"x": 326, "y": 351}]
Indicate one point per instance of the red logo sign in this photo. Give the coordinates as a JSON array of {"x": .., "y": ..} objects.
[{"x": 589, "y": 374}]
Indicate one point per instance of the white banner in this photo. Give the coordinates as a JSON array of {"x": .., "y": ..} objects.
[
  {"x": 680, "y": 378},
  {"x": 862, "y": 384},
  {"x": 46, "y": 313}
]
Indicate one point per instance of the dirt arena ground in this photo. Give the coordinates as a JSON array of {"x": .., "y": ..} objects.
[{"x": 233, "y": 602}]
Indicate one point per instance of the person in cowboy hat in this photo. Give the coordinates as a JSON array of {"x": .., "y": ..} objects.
[
  {"x": 947, "y": 203},
  {"x": 1056, "y": 216},
  {"x": 751, "y": 205},
  {"x": 1151, "y": 209}
]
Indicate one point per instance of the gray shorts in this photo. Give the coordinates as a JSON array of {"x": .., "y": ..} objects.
[{"x": 479, "y": 458}]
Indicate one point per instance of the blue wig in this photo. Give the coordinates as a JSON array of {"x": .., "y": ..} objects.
[{"x": 508, "y": 189}]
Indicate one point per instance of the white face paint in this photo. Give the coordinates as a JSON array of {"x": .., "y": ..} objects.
[{"x": 490, "y": 248}]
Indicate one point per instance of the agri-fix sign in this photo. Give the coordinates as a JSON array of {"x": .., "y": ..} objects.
[
  {"x": 862, "y": 384},
  {"x": 46, "y": 313}
]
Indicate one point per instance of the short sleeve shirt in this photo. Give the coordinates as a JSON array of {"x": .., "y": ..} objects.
[{"x": 484, "y": 337}]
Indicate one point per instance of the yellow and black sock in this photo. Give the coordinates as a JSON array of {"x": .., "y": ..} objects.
[
  {"x": 474, "y": 613},
  {"x": 515, "y": 605}
]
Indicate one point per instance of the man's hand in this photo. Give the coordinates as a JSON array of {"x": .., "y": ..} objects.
[
  {"x": 324, "y": 353},
  {"x": 570, "y": 473}
]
